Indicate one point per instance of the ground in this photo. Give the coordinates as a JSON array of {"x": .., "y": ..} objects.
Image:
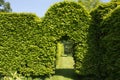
[{"x": 65, "y": 69}]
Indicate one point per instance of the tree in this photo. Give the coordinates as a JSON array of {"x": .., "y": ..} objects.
[
  {"x": 89, "y": 4},
  {"x": 5, "y": 6}
]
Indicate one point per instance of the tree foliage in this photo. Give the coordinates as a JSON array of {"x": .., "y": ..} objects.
[
  {"x": 5, "y": 6},
  {"x": 89, "y": 4}
]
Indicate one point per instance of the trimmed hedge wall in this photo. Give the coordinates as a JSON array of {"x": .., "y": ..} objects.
[
  {"x": 92, "y": 61},
  {"x": 68, "y": 19},
  {"x": 110, "y": 40},
  {"x": 29, "y": 45},
  {"x": 22, "y": 46}
]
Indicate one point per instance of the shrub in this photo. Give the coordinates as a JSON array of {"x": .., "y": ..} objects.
[
  {"x": 92, "y": 61},
  {"x": 110, "y": 40},
  {"x": 22, "y": 46},
  {"x": 68, "y": 19}
]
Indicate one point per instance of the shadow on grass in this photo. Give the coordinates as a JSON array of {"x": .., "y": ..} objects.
[{"x": 68, "y": 73}]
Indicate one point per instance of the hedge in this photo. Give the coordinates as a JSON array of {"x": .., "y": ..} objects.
[
  {"x": 110, "y": 40},
  {"x": 68, "y": 19},
  {"x": 29, "y": 45},
  {"x": 22, "y": 47},
  {"x": 92, "y": 60}
]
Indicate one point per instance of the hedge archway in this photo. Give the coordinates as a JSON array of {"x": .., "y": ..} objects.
[
  {"x": 30, "y": 44},
  {"x": 71, "y": 19}
]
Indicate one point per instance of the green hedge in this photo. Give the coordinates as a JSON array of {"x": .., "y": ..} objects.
[
  {"x": 22, "y": 46},
  {"x": 110, "y": 40},
  {"x": 93, "y": 60},
  {"x": 29, "y": 45},
  {"x": 68, "y": 19}
]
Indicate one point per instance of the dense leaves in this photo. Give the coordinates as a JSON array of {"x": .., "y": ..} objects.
[
  {"x": 90, "y": 4},
  {"x": 110, "y": 40},
  {"x": 68, "y": 19},
  {"x": 94, "y": 60},
  {"x": 5, "y": 6},
  {"x": 29, "y": 45},
  {"x": 91, "y": 60},
  {"x": 21, "y": 46}
]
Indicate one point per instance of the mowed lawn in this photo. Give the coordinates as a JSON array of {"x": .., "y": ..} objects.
[{"x": 65, "y": 69}]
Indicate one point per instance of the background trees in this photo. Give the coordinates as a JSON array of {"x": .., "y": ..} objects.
[
  {"x": 5, "y": 6},
  {"x": 89, "y": 4}
]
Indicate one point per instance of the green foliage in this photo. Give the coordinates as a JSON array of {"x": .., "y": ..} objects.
[
  {"x": 68, "y": 18},
  {"x": 90, "y": 4},
  {"x": 101, "y": 12},
  {"x": 110, "y": 40},
  {"x": 93, "y": 60},
  {"x": 22, "y": 46},
  {"x": 5, "y": 6},
  {"x": 28, "y": 46},
  {"x": 115, "y": 0},
  {"x": 65, "y": 19},
  {"x": 60, "y": 51}
]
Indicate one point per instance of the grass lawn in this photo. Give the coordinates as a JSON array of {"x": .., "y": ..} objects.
[{"x": 65, "y": 69}]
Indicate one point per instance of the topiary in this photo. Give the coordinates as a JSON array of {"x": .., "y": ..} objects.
[{"x": 68, "y": 19}]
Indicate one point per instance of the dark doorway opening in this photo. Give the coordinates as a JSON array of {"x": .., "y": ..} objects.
[
  {"x": 65, "y": 59},
  {"x": 68, "y": 46}
]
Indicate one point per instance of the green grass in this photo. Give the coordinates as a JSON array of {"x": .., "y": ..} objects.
[{"x": 64, "y": 69}]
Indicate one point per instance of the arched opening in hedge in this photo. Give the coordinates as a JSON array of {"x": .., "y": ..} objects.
[
  {"x": 67, "y": 47},
  {"x": 66, "y": 18}
]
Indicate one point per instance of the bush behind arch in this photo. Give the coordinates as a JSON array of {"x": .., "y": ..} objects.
[
  {"x": 71, "y": 19},
  {"x": 110, "y": 42},
  {"x": 93, "y": 61}
]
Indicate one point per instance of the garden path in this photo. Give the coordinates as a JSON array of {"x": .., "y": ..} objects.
[{"x": 65, "y": 69}]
